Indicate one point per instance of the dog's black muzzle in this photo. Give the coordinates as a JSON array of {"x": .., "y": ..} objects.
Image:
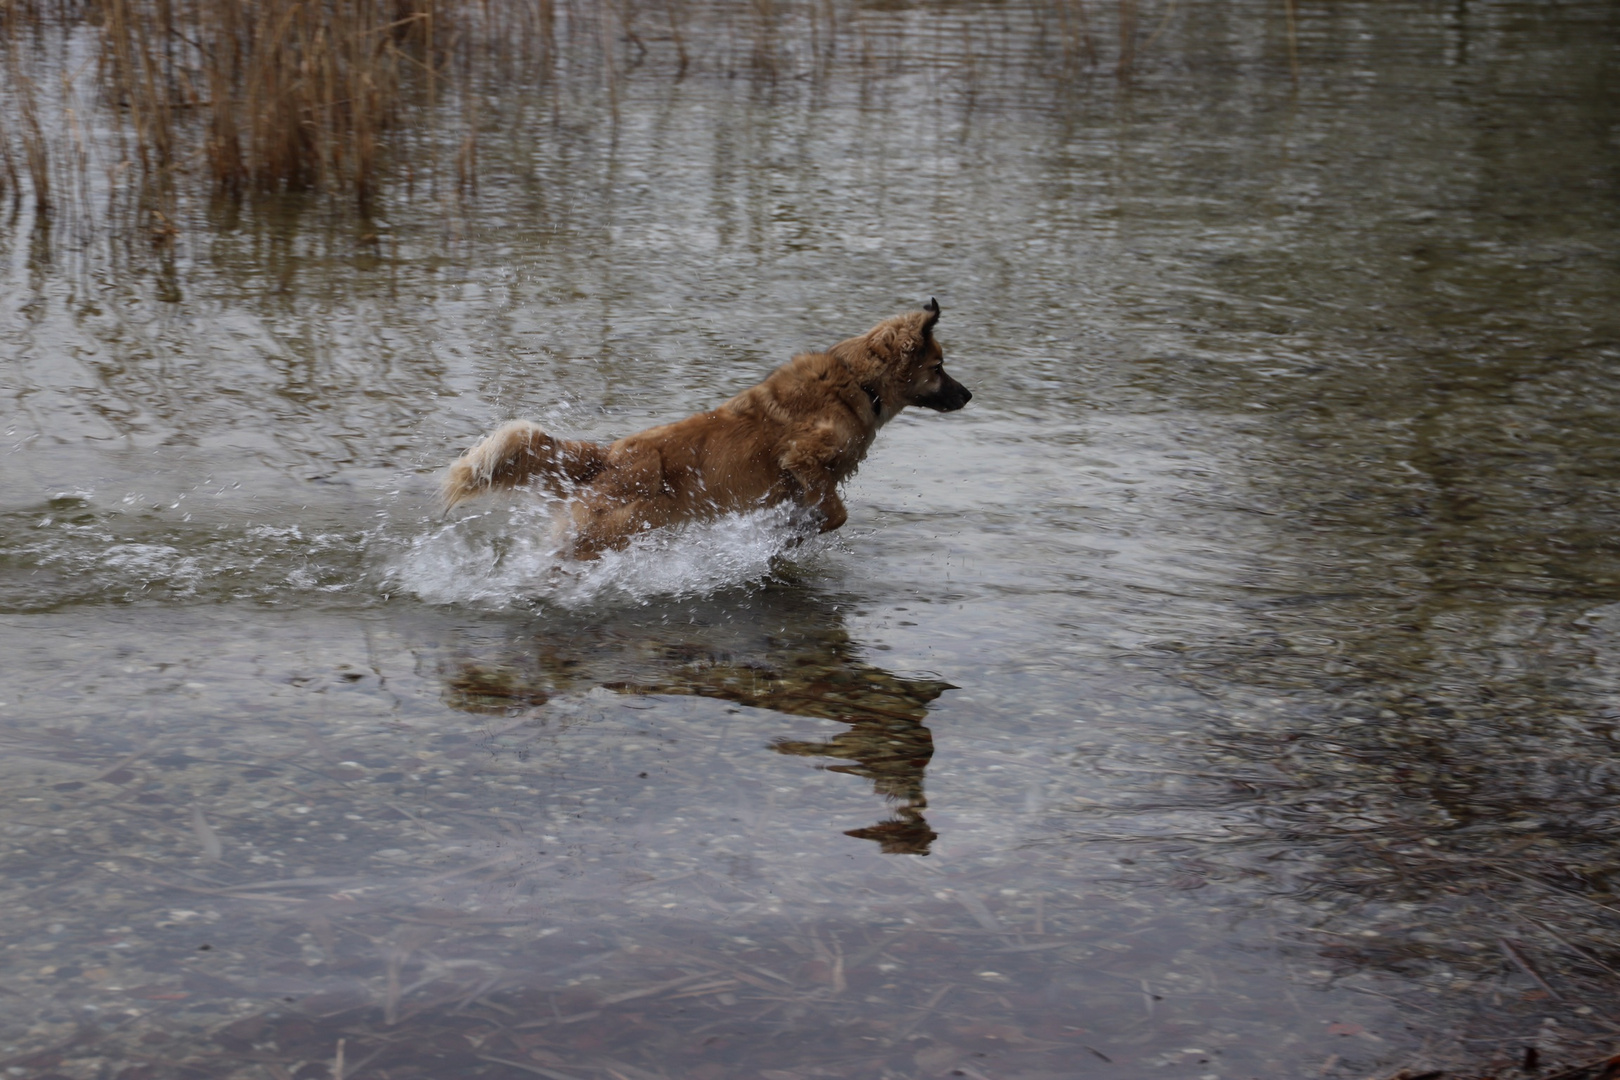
[{"x": 950, "y": 396}]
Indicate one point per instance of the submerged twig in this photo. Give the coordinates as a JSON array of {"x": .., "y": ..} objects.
[{"x": 1525, "y": 966}]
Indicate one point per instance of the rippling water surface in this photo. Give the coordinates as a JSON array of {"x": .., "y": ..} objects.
[{"x": 1229, "y": 691}]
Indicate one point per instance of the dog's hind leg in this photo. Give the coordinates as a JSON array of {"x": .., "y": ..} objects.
[
  {"x": 601, "y": 525},
  {"x": 518, "y": 452},
  {"x": 631, "y": 497}
]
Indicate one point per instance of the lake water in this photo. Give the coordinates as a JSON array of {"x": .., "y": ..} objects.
[{"x": 1231, "y": 690}]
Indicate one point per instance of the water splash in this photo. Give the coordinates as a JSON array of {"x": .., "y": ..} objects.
[{"x": 513, "y": 554}]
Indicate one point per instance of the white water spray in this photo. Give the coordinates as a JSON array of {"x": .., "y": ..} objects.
[{"x": 512, "y": 554}]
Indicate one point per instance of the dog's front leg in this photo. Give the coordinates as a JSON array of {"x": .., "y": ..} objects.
[
  {"x": 808, "y": 463},
  {"x": 833, "y": 514},
  {"x": 819, "y": 495}
]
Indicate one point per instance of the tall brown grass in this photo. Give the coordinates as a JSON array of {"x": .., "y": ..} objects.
[
  {"x": 30, "y": 131},
  {"x": 268, "y": 94},
  {"x": 36, "y": 154},
  {"x": 244, "y": 96}
]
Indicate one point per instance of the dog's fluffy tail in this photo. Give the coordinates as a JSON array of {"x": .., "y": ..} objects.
[{"x": 518, "y": 452}]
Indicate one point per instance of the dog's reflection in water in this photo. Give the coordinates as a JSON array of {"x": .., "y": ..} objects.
[
  {"x": 892, "y": 754},
  {"x": 778, "y": 649},
  {"x": 887, "y": 742}
]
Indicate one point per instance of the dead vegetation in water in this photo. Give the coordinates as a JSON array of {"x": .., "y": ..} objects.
[
  {"x": 606, "y": 871},
  {"x": 176, "y": 926},
  {"x": 1461, "y": 839},
  {"x": 224, "y": 95},
  {"x": 116, "y": 112}
]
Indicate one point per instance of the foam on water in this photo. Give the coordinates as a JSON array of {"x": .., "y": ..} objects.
[
  {"x": 142, "y": 565},
  {"x": 75, "y": 550},
  {"x": 512, "y": 554}
]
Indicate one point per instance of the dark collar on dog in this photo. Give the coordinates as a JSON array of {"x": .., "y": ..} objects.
[{"x": 877, "y": 402}]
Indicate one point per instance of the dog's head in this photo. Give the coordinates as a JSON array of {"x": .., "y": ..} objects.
[
  {"x": 927, "y": 385},
  {"x": 903, "y": 363}
]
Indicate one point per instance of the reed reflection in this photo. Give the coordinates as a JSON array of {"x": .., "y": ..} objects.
[{"x": 781, "y": 649}]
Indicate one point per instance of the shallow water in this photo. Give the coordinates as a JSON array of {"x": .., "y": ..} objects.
[{"x": 1229, "y": 691}]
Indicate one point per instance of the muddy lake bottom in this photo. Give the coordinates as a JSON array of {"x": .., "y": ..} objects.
[{"x": 1230, "y": 692}]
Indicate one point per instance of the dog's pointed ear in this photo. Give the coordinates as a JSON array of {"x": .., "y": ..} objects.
[{"x": 931, "y": 316}]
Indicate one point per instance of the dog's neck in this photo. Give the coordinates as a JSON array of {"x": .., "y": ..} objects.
[
  {"x": 872, "y": 396},
  {"x": 877, "y": 402}
]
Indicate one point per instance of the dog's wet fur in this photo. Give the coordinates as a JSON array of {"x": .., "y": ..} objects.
[{"x": 792, "y": 438}]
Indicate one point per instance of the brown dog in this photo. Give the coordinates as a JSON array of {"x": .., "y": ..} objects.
[{"x": 792, "y": 438}]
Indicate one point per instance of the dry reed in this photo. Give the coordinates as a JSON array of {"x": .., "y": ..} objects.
[
  {"x": 1127, "y": 38},
  {"x": 292, "y": 95},
  {"x": 36, "y": 155},
  {"x": 244, "y": 96}
]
